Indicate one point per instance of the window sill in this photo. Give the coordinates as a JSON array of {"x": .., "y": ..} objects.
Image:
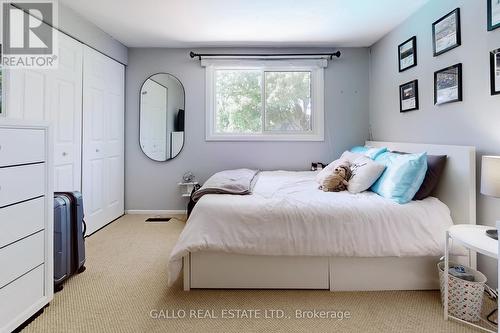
[{"x": 265, "y": 137}]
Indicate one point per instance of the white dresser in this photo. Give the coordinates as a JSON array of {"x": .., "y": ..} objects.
[{"x": 26, "y": 222}]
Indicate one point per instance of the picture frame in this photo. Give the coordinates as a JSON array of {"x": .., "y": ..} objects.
[
  {"x": 408, "y": 96},
  {"x": 495, "y": 71},
  {"x": 407, "y": 54},
  {"x": 493, "y": 14},
  {"x": 446, "y": 33},
  {"x": 448, "y": 85}
]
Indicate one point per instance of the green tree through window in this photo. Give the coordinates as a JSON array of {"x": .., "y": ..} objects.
[
  {"x": 239, "y": 101},
  {"x": 288, "y": 101}
]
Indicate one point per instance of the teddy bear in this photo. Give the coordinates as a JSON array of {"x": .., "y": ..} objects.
[{"x": 338, "y": 180}]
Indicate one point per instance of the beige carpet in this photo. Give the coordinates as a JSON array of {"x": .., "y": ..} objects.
[{"x": 126, "y": 278}]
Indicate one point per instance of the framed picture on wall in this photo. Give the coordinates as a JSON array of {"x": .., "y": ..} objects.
[
  {"x": 407, "y": 54},
  {"x": 408, "y": 96},
  {"x": 448, "y": 85},
  {"x": 493, "y": 14},
  {"x": 446, "y": 32},
  {"x": 495, "y": 71}
]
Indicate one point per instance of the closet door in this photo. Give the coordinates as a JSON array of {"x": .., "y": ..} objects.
[
  {"x": 53, "y": 95},
  {"x": 65, "y": 108},
  {"x": 103, "y": 139},
  {"x": 25, "y": 96}
]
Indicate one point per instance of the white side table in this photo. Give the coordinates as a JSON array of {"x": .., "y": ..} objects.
[
  {"x": 474, "y": 238},
  {"x": 187, "y": 188}
]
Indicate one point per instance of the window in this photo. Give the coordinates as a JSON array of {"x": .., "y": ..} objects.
[{"x": 269, "y": 100}]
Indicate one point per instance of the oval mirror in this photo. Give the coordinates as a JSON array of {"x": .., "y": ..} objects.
[{"x": 161, "y": 128}]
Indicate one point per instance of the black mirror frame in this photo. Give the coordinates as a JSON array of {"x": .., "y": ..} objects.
[{"x": 139, "y": 114}]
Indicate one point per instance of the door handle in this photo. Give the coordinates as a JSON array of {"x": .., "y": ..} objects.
[{"x": 64, "y": 153}]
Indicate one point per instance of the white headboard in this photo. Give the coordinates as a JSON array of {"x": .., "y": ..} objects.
[{"x": 457, "y": 188}]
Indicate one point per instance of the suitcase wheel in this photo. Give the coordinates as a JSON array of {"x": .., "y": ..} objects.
[
  {"x": 58, "y": 288},
  {"x": 81, "y": 269}
]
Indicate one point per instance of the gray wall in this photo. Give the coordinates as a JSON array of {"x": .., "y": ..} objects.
[
  {"x": 153, "y": 185},
  {"x": 475, "y": 121}
]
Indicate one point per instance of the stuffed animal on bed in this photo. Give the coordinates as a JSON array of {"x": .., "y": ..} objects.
[{"x": 338, "y": 180}]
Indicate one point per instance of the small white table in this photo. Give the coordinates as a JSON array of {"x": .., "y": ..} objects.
[
  {"x": 187, "y": 188},
  {"x": 474, "y": 238}
]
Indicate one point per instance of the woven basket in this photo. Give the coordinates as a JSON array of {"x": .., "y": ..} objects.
[{"x": 465, "y": 298}]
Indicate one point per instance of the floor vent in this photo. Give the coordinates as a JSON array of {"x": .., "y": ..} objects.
[{"x": 158, "y": 219}]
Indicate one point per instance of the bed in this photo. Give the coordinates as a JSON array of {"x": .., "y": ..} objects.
[{"x": 290, "y": 235}]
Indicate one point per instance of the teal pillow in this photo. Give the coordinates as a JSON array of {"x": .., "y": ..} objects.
[
  {"x": 359, "y": 149},
  {"x": 402, "y": 177},
  {"x": 371, "y": 152}
]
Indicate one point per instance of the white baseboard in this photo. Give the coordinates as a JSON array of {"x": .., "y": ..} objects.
[{"x": 156, "y": 212}]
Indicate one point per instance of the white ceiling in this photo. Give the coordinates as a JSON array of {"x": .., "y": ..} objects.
[{"x": 198, "y": 23}]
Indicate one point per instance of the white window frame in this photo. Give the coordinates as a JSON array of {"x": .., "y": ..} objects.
[{"x": 315, "y": 66}]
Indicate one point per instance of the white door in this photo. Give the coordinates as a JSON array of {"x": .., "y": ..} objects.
[
  {"x": 53, "y": 95},
  {"x": 177, "y": 143},
  {"x": 65, "y": 108},
  {"x": 103, "y": 139},
  {"x": 154, "y": 120},
  {"x": 25, "y": 96}
]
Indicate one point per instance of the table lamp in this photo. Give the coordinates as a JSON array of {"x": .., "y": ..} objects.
[{"x": 490, "y": 182}]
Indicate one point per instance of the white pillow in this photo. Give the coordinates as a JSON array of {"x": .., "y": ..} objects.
[
  {"x": 328, "y": 170},
  {"x": 365, "y": 173},
  {"x": 350, "y": 156}
]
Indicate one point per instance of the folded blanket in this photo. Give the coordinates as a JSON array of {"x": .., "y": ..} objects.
[{"x": 238, "y": 181}]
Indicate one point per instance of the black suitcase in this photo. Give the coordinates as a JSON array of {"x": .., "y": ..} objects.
[
  {"x": 69, "y": 233},
  {"x": 62, "y": 245}
]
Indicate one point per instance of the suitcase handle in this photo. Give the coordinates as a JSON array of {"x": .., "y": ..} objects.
[{"x": 84, "y": 228}]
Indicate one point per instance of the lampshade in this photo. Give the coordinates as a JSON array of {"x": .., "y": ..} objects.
[{"x": 490, "y": 176}]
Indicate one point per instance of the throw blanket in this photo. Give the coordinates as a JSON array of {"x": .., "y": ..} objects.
[{"x": 238, "y": 181}]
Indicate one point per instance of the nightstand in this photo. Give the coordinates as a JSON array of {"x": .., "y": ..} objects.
[
  {"x": 187, "y": 188},
  {"x": 474, "y": 238}
]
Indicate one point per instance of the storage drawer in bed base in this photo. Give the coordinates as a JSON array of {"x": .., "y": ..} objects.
[
  {"x": 220, "y": 270},
  {"x": 206, "y": 270}
]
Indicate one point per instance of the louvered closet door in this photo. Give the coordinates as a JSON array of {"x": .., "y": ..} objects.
[
  {"x": 53, "y": 95},
  {"x": 103, "y": 139}
]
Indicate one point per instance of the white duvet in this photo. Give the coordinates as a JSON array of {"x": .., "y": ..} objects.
[{"x": 288, "y": 215}]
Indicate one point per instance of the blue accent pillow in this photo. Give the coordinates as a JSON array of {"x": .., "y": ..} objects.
[
  {"x": 371, "y": 152},
  {"x": 359, "y": 149},
  {"x": 402, "y": 177}
]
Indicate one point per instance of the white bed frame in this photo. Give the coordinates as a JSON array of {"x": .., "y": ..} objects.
[{"x": 457, "y": 189}]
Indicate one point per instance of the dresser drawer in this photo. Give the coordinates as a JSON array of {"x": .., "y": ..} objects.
[
  {"x": 21, "y": 146},
  {"x": 20, "y": 257},
  {"x": 20, "y": 220},
  {"x": 20, "y": 295},
  {"x": 21, "y": 183}
]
